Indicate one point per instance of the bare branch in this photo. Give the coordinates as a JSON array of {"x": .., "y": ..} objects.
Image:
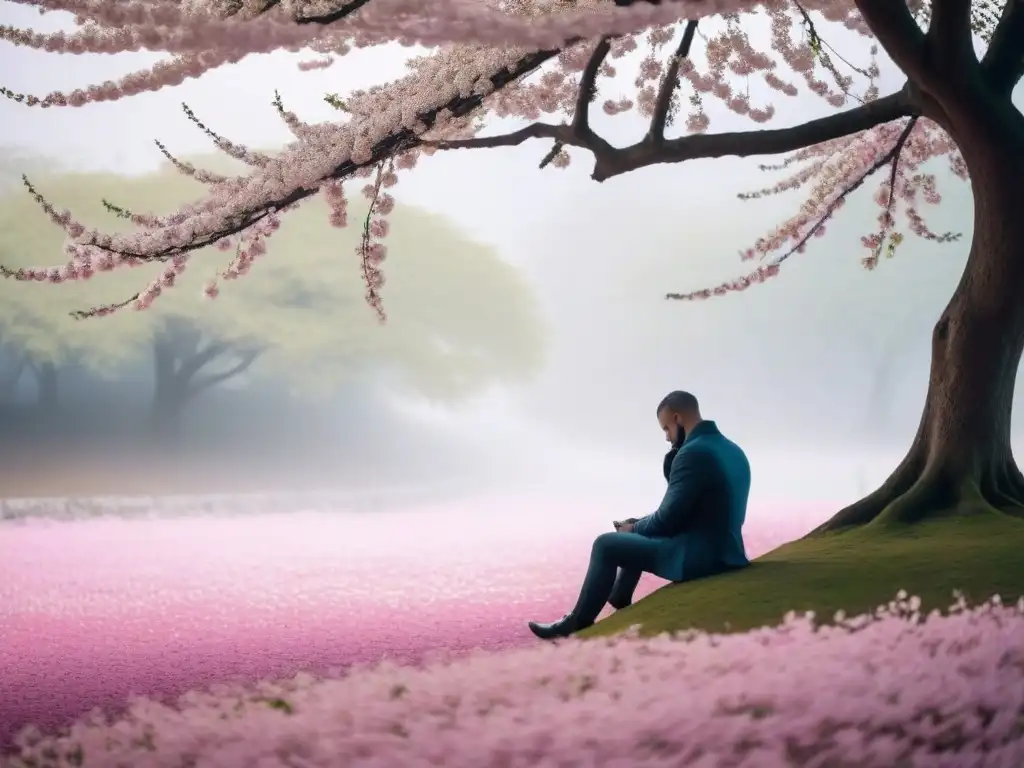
[
  {"x": 1003, "y": 63},
  {"x": 588, "y": 89},
  {"x": 563, "y": 134},
  {"x": 549, "y": 158},
  {"x": 610, "y": 161},
  {"x": 577, "y": 134},
  {"x": 656, "y": 132},
  {"x": 750, "y": 143}
]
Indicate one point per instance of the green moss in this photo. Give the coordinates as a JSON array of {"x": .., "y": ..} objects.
[{"x": 978, "y": 552}]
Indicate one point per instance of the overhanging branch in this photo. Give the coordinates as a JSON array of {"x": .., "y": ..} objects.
[
  {"x": 588, "y": 90},
  {"x": 892, "y": 156},
  {"x": 770, "y": 142},
  {"x": 396, "y": 142},
  {"x": 610, "y": 161},
  {"x": 663, "y": 103},
  {"x": 1003, "y": 63},
  {"x": 577, "y": 134},
  {"x": 563, "y": 134}
]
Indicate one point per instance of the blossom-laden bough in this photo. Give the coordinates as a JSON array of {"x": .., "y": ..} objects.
[
  {"x": 530, "y": 58},
  {"x": 888, "y": 688}
]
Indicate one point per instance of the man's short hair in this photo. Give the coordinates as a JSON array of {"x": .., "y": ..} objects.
[{"x": 678, "y": 402}]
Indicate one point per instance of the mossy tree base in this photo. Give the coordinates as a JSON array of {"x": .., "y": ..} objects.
[
  {"x": 961, "y": 455},
  {"x": 973, "y": 549},
  {"x": 908, "y": 497}
]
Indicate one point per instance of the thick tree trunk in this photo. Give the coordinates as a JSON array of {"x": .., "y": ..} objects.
[
  {"x": 9, "y": 383},
  {"x": 961, "y": 457},
  {"x": 168, "y": 395},
  {"x": 47, "y": 399},
  {"x": 165, "y": 416},
  {"x": 179, "y": 360}
]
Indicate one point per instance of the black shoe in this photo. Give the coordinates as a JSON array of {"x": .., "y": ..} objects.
[
  {"x": 557, "y": 629},
  {"x": 618, "y": 605}
]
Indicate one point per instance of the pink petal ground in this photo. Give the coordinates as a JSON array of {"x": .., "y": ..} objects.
[{"x": 94, "y": 611}]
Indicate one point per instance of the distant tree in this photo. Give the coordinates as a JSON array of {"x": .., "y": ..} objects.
[
  {"x": 187, "y": 362},
  {"x": 460, "y": 317}
]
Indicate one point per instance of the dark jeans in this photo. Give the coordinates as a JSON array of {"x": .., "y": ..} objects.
[{"x": 617, "y": 561}]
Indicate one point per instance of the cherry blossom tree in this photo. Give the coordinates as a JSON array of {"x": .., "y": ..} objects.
[{"x": 530, "y": 58}]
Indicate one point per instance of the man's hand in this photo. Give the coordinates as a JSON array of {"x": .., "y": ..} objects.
[{"x": 625, "y": 526}]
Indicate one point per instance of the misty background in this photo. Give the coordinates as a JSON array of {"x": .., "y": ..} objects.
[{"x": 529, "y": 340}]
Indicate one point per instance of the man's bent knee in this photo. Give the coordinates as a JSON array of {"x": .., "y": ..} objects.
[{"x": 604, "y": 543}]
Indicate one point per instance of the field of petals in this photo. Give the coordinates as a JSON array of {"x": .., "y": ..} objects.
[{"x": 398, "y": 639}]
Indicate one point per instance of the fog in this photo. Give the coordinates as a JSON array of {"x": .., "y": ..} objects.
[{"x": 819, "y": 374}]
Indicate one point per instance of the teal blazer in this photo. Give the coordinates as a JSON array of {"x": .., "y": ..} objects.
[{"x": 699, "y": 522}]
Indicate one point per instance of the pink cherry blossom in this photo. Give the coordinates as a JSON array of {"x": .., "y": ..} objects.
[{"x": 481, "y": 67}]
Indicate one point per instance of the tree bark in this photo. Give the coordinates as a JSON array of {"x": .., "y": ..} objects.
[{"x": 961, "y": 459}]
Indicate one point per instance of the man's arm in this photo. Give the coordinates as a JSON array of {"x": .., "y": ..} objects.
[{"x": 691, "y": 470}]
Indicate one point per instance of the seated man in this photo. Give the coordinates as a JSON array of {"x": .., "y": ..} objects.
[{"x": 694, "y": 533}]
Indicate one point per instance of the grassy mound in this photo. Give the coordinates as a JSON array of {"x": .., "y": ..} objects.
[{"x": 979, "y": 552}]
